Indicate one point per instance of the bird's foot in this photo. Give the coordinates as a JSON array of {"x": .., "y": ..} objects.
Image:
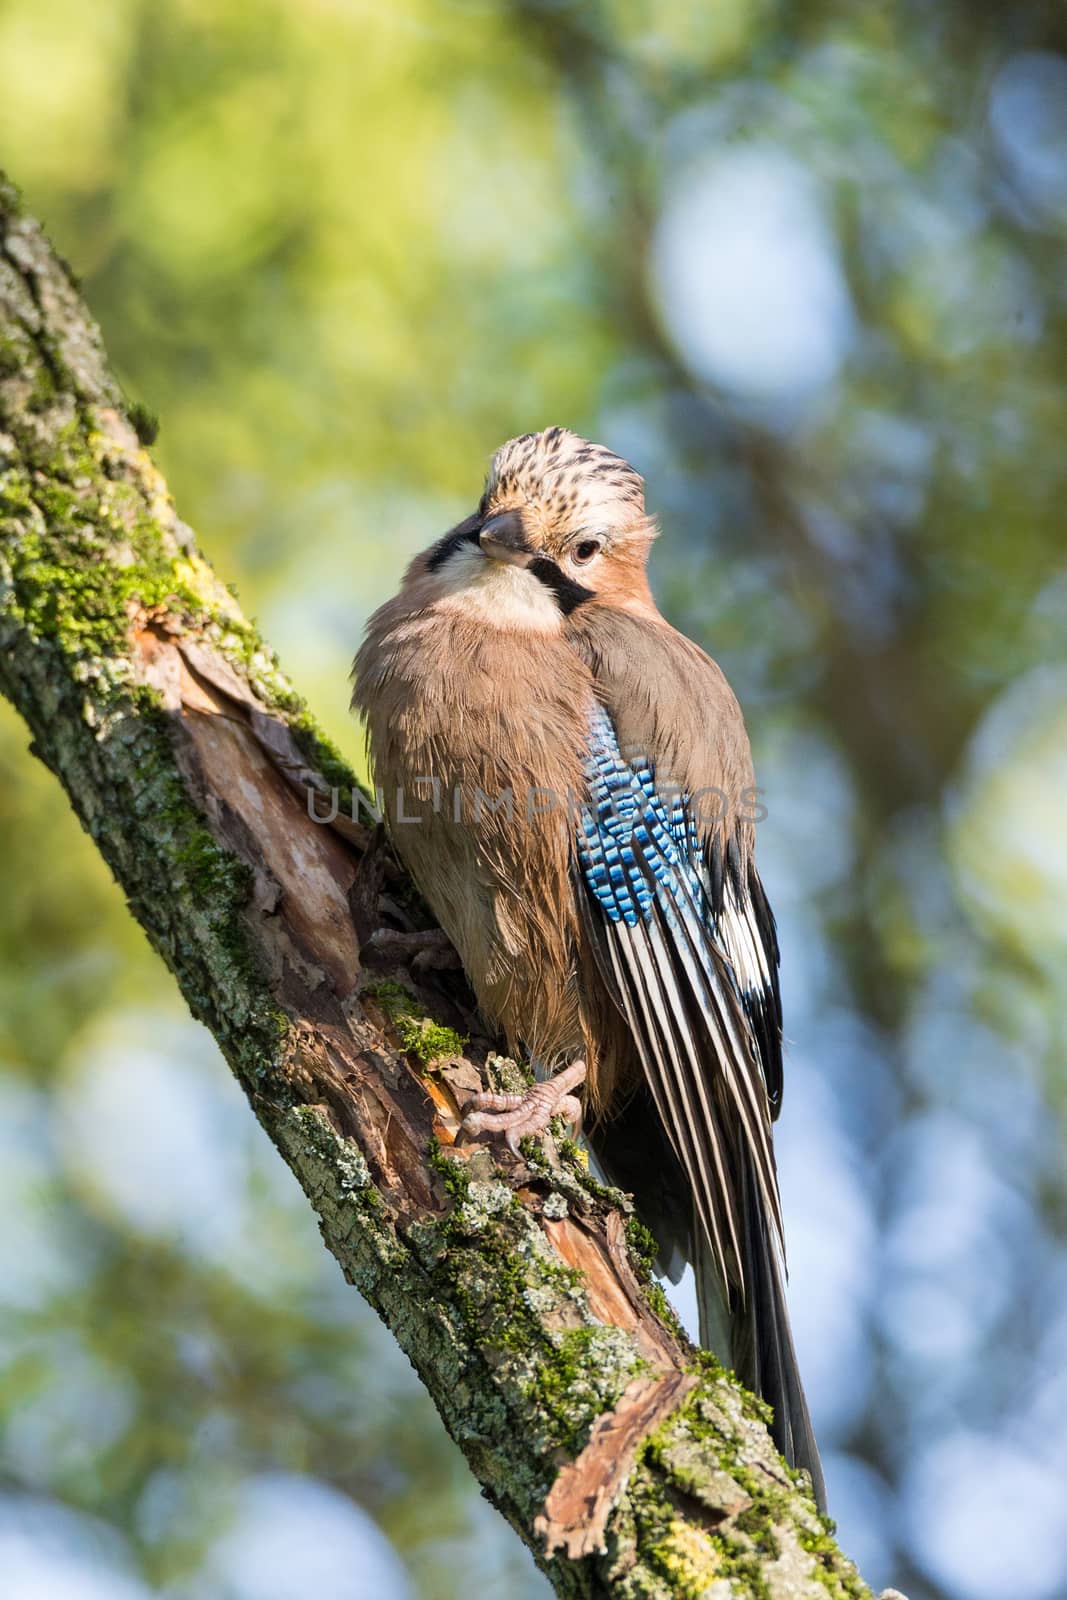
[
  {"x": 518, "y": 1116},
  {"x": 424, "y": 950}
]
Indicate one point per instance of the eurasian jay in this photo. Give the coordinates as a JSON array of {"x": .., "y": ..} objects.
[{"x": 569, "y": 781}]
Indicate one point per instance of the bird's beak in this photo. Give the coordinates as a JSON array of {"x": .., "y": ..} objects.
[{"x": 502, "y": 539}]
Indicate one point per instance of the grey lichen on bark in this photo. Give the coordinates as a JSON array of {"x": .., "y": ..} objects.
[{"x": 188, "y": 758}]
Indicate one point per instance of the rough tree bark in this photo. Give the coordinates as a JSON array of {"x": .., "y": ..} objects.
[{"x": 520, "y": 1290}]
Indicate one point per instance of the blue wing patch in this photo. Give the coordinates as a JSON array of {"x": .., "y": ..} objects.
[
  {"x": 629, "y": 842},
  {"x": 658, "y": 944}
]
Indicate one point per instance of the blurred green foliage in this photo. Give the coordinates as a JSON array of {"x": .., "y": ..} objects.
[{"x": 343, "y": 251}]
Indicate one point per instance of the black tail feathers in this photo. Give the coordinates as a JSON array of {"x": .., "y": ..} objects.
[{"x": 760, "y": 1342}]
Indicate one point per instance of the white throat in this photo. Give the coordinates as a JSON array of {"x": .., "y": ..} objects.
[{"x": 497, "y": 594}]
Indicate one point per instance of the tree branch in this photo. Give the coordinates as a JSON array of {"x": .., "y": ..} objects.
[{"x": 190, "y": 761}]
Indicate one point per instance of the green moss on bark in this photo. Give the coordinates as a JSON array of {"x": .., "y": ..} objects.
[
  {"x": 513, "y": 1290},
  {"x": 429, "y": 1041},
  {"x": 496, "y": 1322}
]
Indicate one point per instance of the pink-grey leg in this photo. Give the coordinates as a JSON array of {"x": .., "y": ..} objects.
[{"x": 518, "y": 1116}]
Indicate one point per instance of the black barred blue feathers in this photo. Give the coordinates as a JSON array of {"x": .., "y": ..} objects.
[
  {"x": 629, "y": 832},
  {"x": 643, "y": 867}
]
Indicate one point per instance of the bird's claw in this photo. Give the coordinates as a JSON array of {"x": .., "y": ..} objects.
[
  {"x": 519, "y": 1116},
  {"x": 424, "y": 949}
]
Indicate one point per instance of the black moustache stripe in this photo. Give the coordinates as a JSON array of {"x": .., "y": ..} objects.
[
  {"x": 569, "y": 595},
  {"x": 466, "y": 533}
]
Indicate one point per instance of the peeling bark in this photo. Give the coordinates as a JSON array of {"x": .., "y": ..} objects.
[
  {"x": 581, "y": 1500},
  {"x": 549, "y": 1352}
]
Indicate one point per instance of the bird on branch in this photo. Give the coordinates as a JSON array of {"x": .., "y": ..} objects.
[{"x": 569, "y": 781}]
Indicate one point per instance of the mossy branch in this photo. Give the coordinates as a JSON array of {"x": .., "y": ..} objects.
[{"x": 188, "y": 758}]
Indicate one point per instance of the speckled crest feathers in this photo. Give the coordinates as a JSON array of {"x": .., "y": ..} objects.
[{"x": 569, "y": 478}]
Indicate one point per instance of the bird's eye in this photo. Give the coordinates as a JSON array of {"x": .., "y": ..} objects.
[{"x": 586, "y": 550}]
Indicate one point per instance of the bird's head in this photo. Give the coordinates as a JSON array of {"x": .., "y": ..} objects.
[{"x": 567, "y": 515}]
